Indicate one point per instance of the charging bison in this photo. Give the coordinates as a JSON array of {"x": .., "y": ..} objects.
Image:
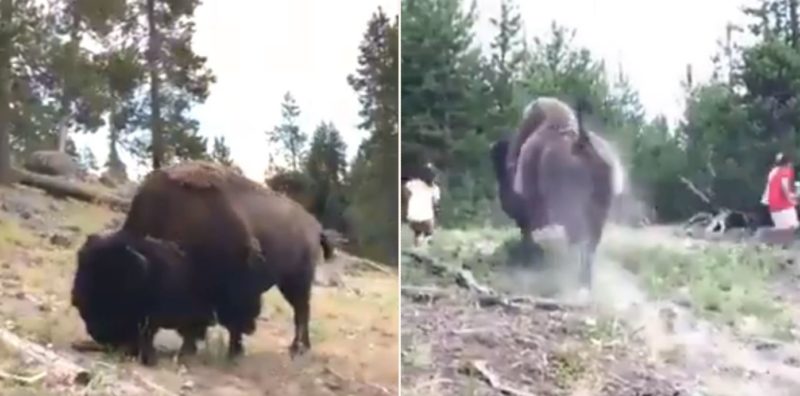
[
  {"x": 553, "y": 171},
  {"x": 200, "y": 243}
]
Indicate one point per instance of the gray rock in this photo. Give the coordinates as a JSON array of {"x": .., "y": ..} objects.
[
  {"x": 61, "y": 240},
  {"x": 53, "y": 163}
]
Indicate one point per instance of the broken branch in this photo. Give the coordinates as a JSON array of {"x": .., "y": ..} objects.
[
  {"x": 480, "y": 369},
  {"x": 21, "y": 379},
  {"x": 703, "y": 196}
]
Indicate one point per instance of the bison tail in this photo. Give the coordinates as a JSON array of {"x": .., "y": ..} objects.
[{"x": 327, "y": 245}]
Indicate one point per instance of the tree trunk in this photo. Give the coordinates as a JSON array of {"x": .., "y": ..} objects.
[
  {"x": 793, "y": 21},
  {"x": 63, "y": 133},
  {"x": 155, "y": 86},
  {"x": 66, "y": 95},
  {"x": 6, "y": 39}
]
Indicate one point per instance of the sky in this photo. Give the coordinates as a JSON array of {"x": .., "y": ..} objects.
[
  {"x": 260, "y": 49},
  {"x": 652, "y": 40}
]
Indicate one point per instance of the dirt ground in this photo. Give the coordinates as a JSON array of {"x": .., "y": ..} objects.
[
  {"x": 668, "y": 315},
  {"x": 354, "y": 321}
]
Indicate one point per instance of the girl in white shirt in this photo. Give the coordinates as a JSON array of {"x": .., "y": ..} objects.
[{"x": 422, "y": 198}]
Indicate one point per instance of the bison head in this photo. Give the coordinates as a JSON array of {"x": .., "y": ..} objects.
[
  {"x": 113, "y": 288},
  {"x": 509, "y": 200}
]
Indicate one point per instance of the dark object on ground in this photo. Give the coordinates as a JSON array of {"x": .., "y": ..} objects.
[
  {"x": 557, "y": 172},
  {"x": 724, "y": 220},
  {"x": 239, "y": 239},
  {"x": 52, "y": 163}
]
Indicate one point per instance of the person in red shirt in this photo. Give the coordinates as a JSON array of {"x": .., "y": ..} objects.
[{"x": 781, "y": 196}]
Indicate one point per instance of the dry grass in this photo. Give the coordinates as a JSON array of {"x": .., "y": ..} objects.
[
  {"x": 13, "y": 236},
  {"x": 723, "y": 282}
]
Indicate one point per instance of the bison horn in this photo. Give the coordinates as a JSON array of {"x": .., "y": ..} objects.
[
  {"x": 139, "y": 256},
  {"x": 92, "y": 239}
]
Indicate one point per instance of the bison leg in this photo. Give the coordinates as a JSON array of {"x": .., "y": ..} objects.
[
  {"x": 298, "y": 293},
  {"x": 190, "y": 335},
  {"x": 587, "y": 263},
  {"x": 238, "y": 310},
  {"x": 235, "y": 347},
  {"x": 238, "y": 316},
  {"x": 147, "y": 352}
]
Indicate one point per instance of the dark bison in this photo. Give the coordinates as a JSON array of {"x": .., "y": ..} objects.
[
  {"x": 127, "y": 287},
  {"x": 237, "y": 239},
  {"x": 555, "y": 172}
]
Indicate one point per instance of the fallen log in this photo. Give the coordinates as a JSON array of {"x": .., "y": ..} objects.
[
  {"x": 466, "y": 279},
  {"x": 64, "y": 188},
  {"x": 718, "y": 223},
  {"x": 516, "y": 303},
  {"x": 486, "y": 296},
  {"x": 356, "y": 261},
  {"x": 436, "y": 268},
  {"x": 58, "y": 366},
  {"x": 702, "y": 217},
  {"x": 423, "y": 294},
  {"x": 64, "y": 370}
]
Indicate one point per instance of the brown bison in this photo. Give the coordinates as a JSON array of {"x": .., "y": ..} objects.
[
  {"x": 555, "y": 172},
  {"x": 238, "y": 239}
]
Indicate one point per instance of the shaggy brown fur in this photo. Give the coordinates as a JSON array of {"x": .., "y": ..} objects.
[
  {"x": 542, "y": 114},
  {"x": 239, "y": 238},
  {"x": 290, "y": 240},
  {"x": 124, "y": 284},
  {"x": 561, "y": 175}
]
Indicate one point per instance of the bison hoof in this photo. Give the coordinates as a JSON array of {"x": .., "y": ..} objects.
[
  {"x": 148, "y": 360},
  {"x": 235, "y": 352},
  {"x": 297, "y": 349}
]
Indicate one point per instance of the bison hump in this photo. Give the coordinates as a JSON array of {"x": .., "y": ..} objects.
[{"x": 206, "y": 175}]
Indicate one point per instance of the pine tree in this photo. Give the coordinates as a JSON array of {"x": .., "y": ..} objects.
[
  {"x": 287, "y": 135},
  {"x": 176, "y": 78},
  {"x": 439, "y": 70},
  {"x": 6, "y": 47},
  {"x": 507, "y": 60},
  {"x": 80, "y": 89},
  {"x": 326, "y": 167},
  {"x": 221, "y": 153},
  {"x": 374, "y": 182}
]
